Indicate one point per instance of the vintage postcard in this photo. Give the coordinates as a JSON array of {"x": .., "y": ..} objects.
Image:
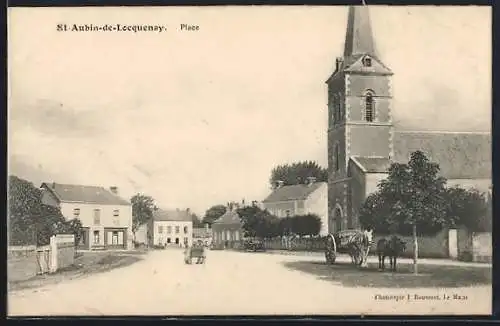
[{"x": 260, "y": 160}]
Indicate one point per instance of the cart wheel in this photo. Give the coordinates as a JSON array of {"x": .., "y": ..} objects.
[{"x": 330, "y": 250}]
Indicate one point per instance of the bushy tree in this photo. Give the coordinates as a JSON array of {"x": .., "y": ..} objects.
[
  {"x": 469, "y": 208},
  {"x": 30, "y": 221},
  {"x": 412, "y": 199},
  {"x": 143, "y": 207},
  {"x": 302, "y": 225},
  {"x": 258, "y": 223},
  {"x": 297, "y": 173},
  {"x": 197, "y": 223},
  {"x": 213, "y": 213}
]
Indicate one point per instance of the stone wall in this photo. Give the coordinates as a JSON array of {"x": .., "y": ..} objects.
[{"x": 428, "y": 246}]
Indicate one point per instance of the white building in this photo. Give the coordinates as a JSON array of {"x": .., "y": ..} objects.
[
  {"x": 171, "y": 228},
  {"x": 106, "y": 218}
]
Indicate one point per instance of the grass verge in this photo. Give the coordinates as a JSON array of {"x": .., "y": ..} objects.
[{"x": 86, "y": 263}]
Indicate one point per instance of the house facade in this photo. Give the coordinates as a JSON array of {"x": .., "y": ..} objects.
[
  {"x": 106, "y": 218},
  {"x": 363, "y": 139},
  {"x": 171, "y": 228},
  {"x": 301, "y": 199},
  {"x": 227, "y": 230}
]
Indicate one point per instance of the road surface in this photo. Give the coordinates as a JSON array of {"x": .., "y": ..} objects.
[{"x": 230, "y": 283}]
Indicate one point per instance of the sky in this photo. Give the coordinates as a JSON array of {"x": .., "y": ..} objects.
[{"x": 200, "y": 118}]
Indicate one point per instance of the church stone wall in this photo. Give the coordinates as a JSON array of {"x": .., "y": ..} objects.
[
  {"x": 355, "y": 105},
  {"x": 372, "y": 141},
  {"x": 358, "y": 84},
  {"x": 337, "y": 136},
  {"x": 482, "y": 185}
]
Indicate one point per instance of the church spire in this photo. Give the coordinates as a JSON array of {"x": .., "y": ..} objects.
[{"x": 359, "y": 36}]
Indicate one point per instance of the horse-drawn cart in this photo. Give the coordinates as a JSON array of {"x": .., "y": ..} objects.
[
  {"x": 197, "y": 251},
  {"x": 355, "y": 243}
]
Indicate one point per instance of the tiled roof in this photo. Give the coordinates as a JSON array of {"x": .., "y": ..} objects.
[
  {"x": 229, "y": 217},
  {"x": 172, "y": 215},
  {"x": 293, "y": 192},
  {"x": 84, "y": 194},
  {"x": 372, "y": 164},
  {"x": 459, "y": 155}
]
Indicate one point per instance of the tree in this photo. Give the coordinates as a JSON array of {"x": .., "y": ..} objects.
[
  {"x": 32, "y": 222},
  {"x": 297, "y": 173},
  {"x": 143, "y": 208},
  {"x": 469, "y": 208},
  {"x": 258, "y": 223},
  {"x": 412, "y": 198},
  {"x": 213, "y": 213},
  {"x": 309, "y": 224},
  {"x": 197, "y": 223}
]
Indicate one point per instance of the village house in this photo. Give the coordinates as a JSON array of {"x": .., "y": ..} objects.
[
  {"x": 300, "y": 199},
  {"x": 106, "y": 217},
  {"x": 363, "y": 139},
  {"x": 171, "y": 228},
  {"x": 227, "y": 230}
]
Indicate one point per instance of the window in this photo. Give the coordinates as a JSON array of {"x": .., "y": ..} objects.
[
  {"x": 186, "y": 241},
  {"x": 339, "y": 110},
  {"x": 176, "y": 240},
  {"x": 76, "y": 212},
  {"x": 177, "y": 229},
  {"x": 336, "y": 157},
  {"x": 97, "y": 238},
  {"x": 160, "y": 228},
  {"x": 116, "y": 213},
  {"x": 369, "y": 107},
  {"x": 169, "y": 229},
  {"x": 367, "y": 62},
  {"x": 168, "y": 240},
  {"x": 185, "y": 229},
  {"x": 97, "y": 216},
  {"x": 115, "y": 238},
  {"x": 287, "y": 213}
]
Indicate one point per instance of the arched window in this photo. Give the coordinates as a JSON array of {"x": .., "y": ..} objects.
[
  {"x": 369, "y": 107},
  {"x": 336, "y": 157},
  {"x": 186, "y": 229}
]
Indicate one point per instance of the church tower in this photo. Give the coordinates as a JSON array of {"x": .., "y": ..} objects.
[{"x": 359, "y": 114}]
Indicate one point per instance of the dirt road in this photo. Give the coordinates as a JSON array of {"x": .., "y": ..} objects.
[{"x": 237, "y": 284}]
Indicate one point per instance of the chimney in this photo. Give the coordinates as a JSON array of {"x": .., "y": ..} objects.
[
  {"x": 338, "y": 63},
  {"x": 188, "y": 210},
  {"x": 114, "y": 190},
  {"x": 53, "y": 185},
  {"x": 311, "y": 180},
  {"x": 243, "y": 202}
]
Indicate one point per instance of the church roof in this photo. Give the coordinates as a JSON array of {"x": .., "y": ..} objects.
[
  {"x": 372, "y": 164},
  {"x": 460, "y": 155},
  {"x": 359, "y": 36},
  {"x": 292, "y": 192}
]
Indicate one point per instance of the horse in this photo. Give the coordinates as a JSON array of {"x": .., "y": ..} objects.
[
  {"x": 359, "y": 247},
  {"x": 392, "y": 248}
]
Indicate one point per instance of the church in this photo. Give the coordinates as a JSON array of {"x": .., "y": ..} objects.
[{"x": 363, "y": 141}]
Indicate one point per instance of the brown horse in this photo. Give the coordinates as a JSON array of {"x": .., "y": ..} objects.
[{"x": 392, "y": 247}]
